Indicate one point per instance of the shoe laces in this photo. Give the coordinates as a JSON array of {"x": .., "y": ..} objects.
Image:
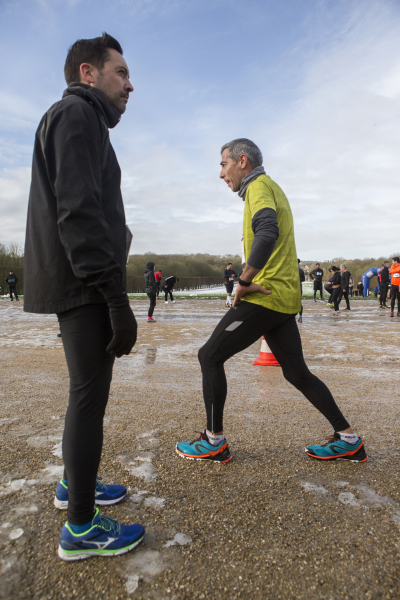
[
  {"x": 99, "y": 485},
  {"x": 330, "y": 439},
  {"x": 110, "y": 525},
  {"x": 202, "y": 436}
]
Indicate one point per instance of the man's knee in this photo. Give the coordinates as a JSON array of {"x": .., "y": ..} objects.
[{"x": 299, "y": 377}]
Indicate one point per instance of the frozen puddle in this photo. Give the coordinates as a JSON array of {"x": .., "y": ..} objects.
[
  {"x": 311, "y": 487},
  {"x": 141, "y": 466},
  {"x": 180, "y": 538},
  {"x": 143, "y": 566},
  {"x": 153, "y": 502}
]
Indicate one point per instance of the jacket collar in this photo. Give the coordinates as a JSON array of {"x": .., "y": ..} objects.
[{"x": 97, "y": 99}]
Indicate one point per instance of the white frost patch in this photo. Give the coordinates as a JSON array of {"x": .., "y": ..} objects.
[
  {"x": 341, "y": 483},
  {"x": 153, "y": 502},
  {"x": 16, "y": 533},
  {"x": 25, "y": 510},
  {"x": 145, "y": 457},
  {"x": 350, "y": 499},
  {"x": 137, "y": 498},
  {"x": 311, "y": 487},
  {"x": 5, "y": 525},
  {"x": 132, "y": 584},
  {"x": 180, "y": 538},
  {"x": 395, "y": 517},
  {"x": 144, "y": 565},
  {"x": 57, "y": 450},
  {"x": 41, "y": 441},
  {"x": 369, "y": 497},
  {"x": 145, "y": 471},
  {"x": 11, "y": 487},
  {"x": 51, "y": 473}
]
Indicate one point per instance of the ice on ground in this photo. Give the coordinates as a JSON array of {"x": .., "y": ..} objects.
[
  {"x": 57, "y": 450},
  {"x": 138, "y": 497},
  {"x": 153, "y": 502},
  {"x": 143, "y": 565},
  {"x": 16, "y": 533},
  {"x": 369, "y": 497},
  {"x": 395, "y": 517},
  {"x": 350, "y": 499},
  {"x": 145, "y": 471},
  {"x": 311, "y": 487},
  {"x": 180, "y": 538},
  {"x": 25, "y": 510}
]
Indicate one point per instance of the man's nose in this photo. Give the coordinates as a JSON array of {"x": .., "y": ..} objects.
[
  {"x": 129, "y": 86},
  {"x": 222, "y": 175}
]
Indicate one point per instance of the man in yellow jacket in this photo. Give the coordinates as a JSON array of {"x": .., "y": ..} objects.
[
  {"x": 266, "y": 302},
  {"x": 394, "y": 288}
]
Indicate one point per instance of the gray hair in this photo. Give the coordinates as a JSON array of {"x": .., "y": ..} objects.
[
  {"x": 343, "y": 265},
  {"x": 244, "y": 146}
]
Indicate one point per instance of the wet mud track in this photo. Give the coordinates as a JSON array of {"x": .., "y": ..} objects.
[{"x": 272, "y": 524}]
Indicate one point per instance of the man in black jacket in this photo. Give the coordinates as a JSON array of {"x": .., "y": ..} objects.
[
  {"x": 75, "y": 257},
  {"x": 11, "y": 281},
  {"x": 169, "y": 283},
  {"x": 384, "y": 279},
  {"x": 151, "y": 290},
  {"x": 302, "y": 279},
  {"x": 317, "y": 275},
  {"x": 229, "y": 274},
  {"x": 345, "y": 285}
]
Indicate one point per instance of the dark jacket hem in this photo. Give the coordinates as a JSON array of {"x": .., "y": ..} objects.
[{"x": 62, "y": 306}]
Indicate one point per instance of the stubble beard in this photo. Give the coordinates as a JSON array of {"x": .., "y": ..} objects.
[{"x": 114, "y": 98}]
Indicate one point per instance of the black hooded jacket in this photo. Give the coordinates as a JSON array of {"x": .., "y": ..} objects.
[
  {"x": 76, "y": 233},
  {"x": 149, "y": 279}
]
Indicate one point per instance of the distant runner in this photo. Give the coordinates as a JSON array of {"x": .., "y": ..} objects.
[
  {"x": 302, "y": 278},
  {"x": 158, "y": 277},
  {"x": 394, "y": 290},
  {"x": 266, "y": 303},
  {"x": 336, "y": 289},
  {"x": 317, "y": 275},
  {"x": 169, "y": 283},
  {"x": 11, "y": 281},
  {"x": 151, "y": 290},
  {"x": 229, "y": 274},
  {"x": 345, "y": 285},
  {"x": 384, "y": 279}
]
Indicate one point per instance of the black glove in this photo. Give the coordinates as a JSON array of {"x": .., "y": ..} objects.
[{"x": 123, "y": 320}]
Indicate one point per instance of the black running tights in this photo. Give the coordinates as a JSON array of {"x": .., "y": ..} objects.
[
  {"x": 85, "y": 333},
  {"x": 336, "y": 293},
  {"x": 238, "y": 329},
  {"x": 394, "y": 293},
  {"x": 168, "y": 291},
  {"x": 153, "y": 299}
]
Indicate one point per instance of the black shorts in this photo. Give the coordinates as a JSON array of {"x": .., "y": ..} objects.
[
  {"x": 229, "y": 287},
  {"x": 317, "y": 285}
]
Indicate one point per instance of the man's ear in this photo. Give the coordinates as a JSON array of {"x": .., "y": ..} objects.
[
  {"x": 88, "y": 73},
  {"x": 243, "y": 161}
]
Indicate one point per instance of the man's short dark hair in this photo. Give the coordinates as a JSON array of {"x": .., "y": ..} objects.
[
  {"x": 396, "y": 258},
  {"x": 94, "y": 52},
  {"x": 228, "y": 264},
  {"x": 317, "y": 264}
]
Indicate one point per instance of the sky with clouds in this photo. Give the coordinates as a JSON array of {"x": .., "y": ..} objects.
[{"x": 315, "y": 83}]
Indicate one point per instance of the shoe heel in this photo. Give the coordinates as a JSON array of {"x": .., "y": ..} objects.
[
  {"x": 60, "y": 504},
  {"x": 359, "y": 456}
]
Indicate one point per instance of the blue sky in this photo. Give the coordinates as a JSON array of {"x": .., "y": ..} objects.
[{"x": 316, "y": 84}]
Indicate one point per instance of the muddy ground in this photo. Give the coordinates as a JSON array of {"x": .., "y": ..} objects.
[{"x": 272, "y": 524}]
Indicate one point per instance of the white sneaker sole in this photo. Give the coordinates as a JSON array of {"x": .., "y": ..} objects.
[
  {"x": 88, "y": 553},
  {"x": 63, "y": 504}
]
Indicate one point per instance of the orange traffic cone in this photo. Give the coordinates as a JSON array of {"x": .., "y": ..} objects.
[{"x": 266, "y": 356}]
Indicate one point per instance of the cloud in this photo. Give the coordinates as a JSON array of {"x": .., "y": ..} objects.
[{"x": 14, "y": 192}]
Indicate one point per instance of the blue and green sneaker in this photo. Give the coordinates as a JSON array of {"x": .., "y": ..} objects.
[
  {"x": 104, "y": 537},
  {"x": 201, "y": 449},
  {"x": 104, "y": 496},
  {"x": 335, "y": 448}
]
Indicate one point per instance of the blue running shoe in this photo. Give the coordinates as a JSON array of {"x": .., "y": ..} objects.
[
  {"x": 105, "y": 537},
  {"x": 201, "y": 449},
  {"x": 105, "y": 494},
  {"x": 335, "y": 448}
]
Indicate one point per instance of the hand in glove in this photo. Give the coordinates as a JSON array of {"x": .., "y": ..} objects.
[{"x": 123, "y": 320}]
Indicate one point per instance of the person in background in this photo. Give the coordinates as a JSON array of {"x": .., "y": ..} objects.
[
  {"x": 302, "y": 278},
  {"x": 384, "y": 278},
  {"x": 151, "y": 290},
  {"x": 229, "y": 274},
  {"x": 351, "y": 287},
  {"x": 394, "y": 290},
  {"x": 169, "y": 283},
  {"x": 336, "y": 289},
  {"x": 317, "y": 274},
  {"x": 360, "y": 289},
  {"x": 328, "y": 288},
  {"x": 158, "y": 277},
  {"x": 11, "y": 281},
  {"x": 345, "y": 285}
]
